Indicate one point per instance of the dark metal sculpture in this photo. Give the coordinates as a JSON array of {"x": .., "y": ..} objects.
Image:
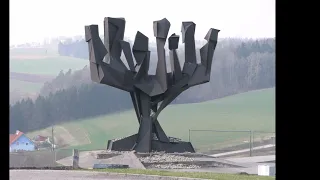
[{"x": 150, "y": 93}]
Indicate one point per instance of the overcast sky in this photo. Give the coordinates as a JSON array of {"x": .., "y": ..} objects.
[{"x": 34, "y": 20}]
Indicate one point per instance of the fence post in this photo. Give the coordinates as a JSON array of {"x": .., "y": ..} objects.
[
  {"x": 75, "y": 163},
  {"x": 253, "y": 139},
  {"x": 251, "y": 132},
  {"x": 189, "y": 135}
]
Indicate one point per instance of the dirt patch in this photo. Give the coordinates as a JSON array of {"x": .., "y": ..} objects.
[
  {"x": 36, "y": 78},
  {"x": 69, "y": 138}
]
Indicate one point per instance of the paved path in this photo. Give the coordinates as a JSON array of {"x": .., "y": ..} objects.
[
  {"x": 253, "y": 159},
  {"x": 242, "y": 151},
  {"x": 57, "y": 175},
  {"x": 79, "y": 175},
  {"x": 86, "y": 159}
]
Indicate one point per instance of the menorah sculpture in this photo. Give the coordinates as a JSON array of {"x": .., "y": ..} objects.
[{"x": 150, "y": 94}]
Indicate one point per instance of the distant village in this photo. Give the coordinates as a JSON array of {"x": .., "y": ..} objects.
[{"x": 19, "y": 142}]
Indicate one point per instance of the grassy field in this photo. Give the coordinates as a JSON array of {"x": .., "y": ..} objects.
[
  {"x": 20, "y": 52},
  {"x": 23, "y": 89},
  {"x": 50, "y": 65},
  {"x": 38, "y": 62},
  {"x": 202, "y": 175},
  {"x": 254, "y": 110},
  {"x": 28, "y": 87},
  {"x": 42, "y": 61}
]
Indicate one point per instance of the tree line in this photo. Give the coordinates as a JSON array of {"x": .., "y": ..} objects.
[
  {"x": 238, "y": 66},
  {"x": 65, "y": 105},
  {"x": 76, "y": 47}
]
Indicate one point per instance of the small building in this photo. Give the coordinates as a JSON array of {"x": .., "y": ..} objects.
[
  {"x": 20, "y": 142},
  {"x": 42, "y": 142},
  {"x": 40, "y": 139}
]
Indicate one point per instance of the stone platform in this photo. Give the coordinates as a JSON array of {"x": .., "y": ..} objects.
[
  {"x": 155, "y": 160},
  {"x": 158, "y": 160}
]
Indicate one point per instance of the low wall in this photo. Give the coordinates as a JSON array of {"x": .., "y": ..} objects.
[{"x": 36, "y": 158}]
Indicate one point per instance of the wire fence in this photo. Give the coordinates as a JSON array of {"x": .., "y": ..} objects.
[{"x": 224, "y": 143}]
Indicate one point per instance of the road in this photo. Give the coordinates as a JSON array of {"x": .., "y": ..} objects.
[
  {"x": 253, "y": 159},
  {"x": 58, "y": 175},
  {"x": 79, "y": 175}
]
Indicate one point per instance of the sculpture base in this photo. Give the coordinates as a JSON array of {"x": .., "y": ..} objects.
[{"x": 129, "y": 143}]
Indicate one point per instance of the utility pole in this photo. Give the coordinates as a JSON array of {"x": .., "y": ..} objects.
[
  {"x": 52, "y": 136},
  {"x": 54, "y": 154}
]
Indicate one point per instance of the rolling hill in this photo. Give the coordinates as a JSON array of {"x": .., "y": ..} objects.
[
  {"x": 37, "y": 64},
  {"x": 254, "y": 110},
  {"x": 25, "y": 86},
  {"x": 47, "y": 65}
]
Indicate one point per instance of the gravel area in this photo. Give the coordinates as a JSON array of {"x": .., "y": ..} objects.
[
  {"x": 164, "y": 158},
  {"x": 169, "y": 158},
  {"x": 173, "y": 166},
  {"x": 161, "y": 157}
]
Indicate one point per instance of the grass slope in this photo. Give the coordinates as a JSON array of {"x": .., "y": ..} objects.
[
  {"x": 23, "y": 89},
  {"x": 50, "y": 65},
  {"x": 20, "y": 52},
  {"x": 202, "y": 175},
  {"x": 254, "y": 110},
  {"x": 37, "y": 63}
]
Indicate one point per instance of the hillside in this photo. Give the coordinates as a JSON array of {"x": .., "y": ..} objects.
[
  {"x": 25, "y": 86},
  {"x": 47, "y": 65},
  {"x": 254, "y": 110},
  {"x": 239, "y": 65},
  {"x": 30, "y": 68}
]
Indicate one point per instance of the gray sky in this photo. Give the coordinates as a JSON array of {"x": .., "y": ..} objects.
[{"x": 34, "y": 20}]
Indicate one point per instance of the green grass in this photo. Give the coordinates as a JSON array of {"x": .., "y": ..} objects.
[
  {"x": 38, "y": 61},
  {"x": 24, "y": 86},
  {"x": 203, "y": 175},
  {"x": 253, "y": 110},
  {"x": 47, "y": 65}
]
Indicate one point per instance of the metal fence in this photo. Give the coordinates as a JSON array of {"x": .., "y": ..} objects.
[{"x": 225, "y": 143}]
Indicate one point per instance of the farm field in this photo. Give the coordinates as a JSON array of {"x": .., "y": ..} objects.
[
  {"x": 51, "y": 65},
  {"x": 30, "y": 68},
  {"x": 24, "y": 86},
  {"x": 254, "y": 110}
]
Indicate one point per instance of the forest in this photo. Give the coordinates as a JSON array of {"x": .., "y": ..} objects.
[{"x": 239, "y": 65}]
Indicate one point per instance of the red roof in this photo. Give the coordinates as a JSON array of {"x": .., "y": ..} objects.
[{"x": 14, "y": 137}]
